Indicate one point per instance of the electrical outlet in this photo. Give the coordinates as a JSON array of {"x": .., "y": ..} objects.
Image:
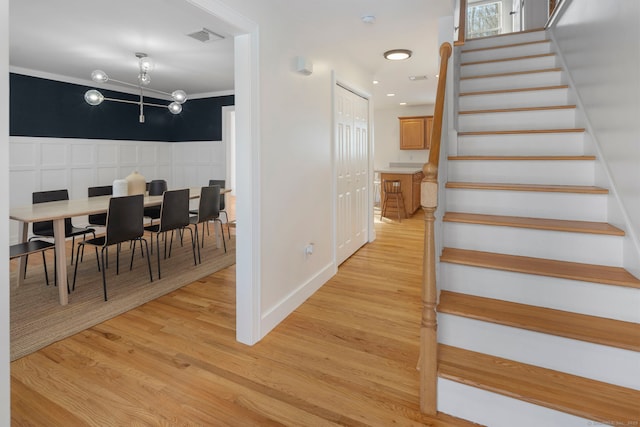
[{"x": 308, "y": 250}]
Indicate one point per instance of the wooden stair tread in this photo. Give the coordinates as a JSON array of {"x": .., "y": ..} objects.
[
  {"x": 504, "y": 46},
  {"x": 520, "y": 109},
  {"x": 602, "y": 274},
  {"x": 520, "y": 131},
  {"x": 515, "y": 58},
  {"x": 523, "y": 89},
  {"x": 597, "y": 330},
  {"x": 581, "y": 189},
  {"x": 545, "y": 158},
  {"x": 498, "y": 36},
  {"x": 583, "y": 397},
  {"x": 535, "y": 223},
  {"x": 512, "y": 73}
]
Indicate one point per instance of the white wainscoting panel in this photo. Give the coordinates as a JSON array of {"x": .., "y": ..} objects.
[{"x": 38, "y": 164}]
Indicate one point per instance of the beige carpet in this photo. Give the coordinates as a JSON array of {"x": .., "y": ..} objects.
[{"x": 37, "y": 319}]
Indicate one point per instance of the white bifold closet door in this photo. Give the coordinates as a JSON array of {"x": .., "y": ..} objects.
[{"x": 352, "y": 167}]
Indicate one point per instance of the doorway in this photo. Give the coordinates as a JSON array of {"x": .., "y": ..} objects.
[{"x": 352, "y": 171}]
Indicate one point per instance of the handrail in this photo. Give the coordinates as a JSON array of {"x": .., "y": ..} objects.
[
  {"x": 428, "y": 363},
  {"x": 462, "y": 24}
]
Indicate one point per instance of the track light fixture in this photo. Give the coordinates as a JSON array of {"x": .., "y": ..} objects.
[{"x": 145, "y": 66}]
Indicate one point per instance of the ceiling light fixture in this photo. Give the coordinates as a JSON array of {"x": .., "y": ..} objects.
[
  {"x": 398, "y": 54},
  {"x": 145, "y": 65}
]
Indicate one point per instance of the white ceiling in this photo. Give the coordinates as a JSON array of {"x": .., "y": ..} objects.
[{"x": 73, "y": 37}]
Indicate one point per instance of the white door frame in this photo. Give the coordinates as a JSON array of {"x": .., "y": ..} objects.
[{"x": 246, "y": 76}]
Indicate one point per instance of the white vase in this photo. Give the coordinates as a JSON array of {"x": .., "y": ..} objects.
[{"x": 120, "y": 188}]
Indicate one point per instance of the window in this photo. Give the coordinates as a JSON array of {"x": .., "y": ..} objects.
[{"x": 484, "y": 19}]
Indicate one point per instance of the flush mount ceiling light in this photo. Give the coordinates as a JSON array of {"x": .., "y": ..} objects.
[
  {"x": 398, "y": 54},
  {"x": 145, "y": 65}
]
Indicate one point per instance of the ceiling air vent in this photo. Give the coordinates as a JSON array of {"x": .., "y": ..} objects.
[
  {"x": 415, "y": 78},
  {"x": 205, "y": 35}
]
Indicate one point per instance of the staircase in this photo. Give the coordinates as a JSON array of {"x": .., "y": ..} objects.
[{"x": 538, "y": 323}]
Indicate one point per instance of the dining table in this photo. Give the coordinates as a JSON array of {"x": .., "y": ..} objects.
[{"x": 57, "y": 212}]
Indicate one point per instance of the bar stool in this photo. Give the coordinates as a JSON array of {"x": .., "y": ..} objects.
[{"x": 392, "y": 193}]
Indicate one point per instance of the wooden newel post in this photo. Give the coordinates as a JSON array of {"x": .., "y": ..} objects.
[{"x": 429, "y": 324}]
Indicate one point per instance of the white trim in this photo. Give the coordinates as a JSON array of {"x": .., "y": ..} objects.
[
  {"x": 248, "y": 269},
  {"x": 557, "y": 13}
]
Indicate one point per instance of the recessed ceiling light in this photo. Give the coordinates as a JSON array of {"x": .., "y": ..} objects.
[
  {"x": 398, "y": 54},
  {"x": 403, "y": 103},
  {"x": 391, "y": 94},
  {"x": 375, "y": 82}
]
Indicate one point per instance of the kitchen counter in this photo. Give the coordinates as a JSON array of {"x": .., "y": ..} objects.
[
  {"x": 408, "y": 171},
  {"x": 410, "y": 180}
]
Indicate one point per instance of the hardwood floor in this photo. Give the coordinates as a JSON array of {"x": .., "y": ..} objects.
[{"x": 347, "y": 356}]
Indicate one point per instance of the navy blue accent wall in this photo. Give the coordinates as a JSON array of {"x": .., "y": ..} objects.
[{"x": 48, "y": 108}]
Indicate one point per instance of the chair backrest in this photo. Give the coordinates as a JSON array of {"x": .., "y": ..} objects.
[
  {"x": 174, "y": 211},
  {"x": 45, "y": 228},
  {"x": 392, "y": 186},
  {"x": 209, "y": 207},
  {"x": 103, "y": 190},
  {"x": 221, "y": 183},
  {"x": 125, "y": 219}
]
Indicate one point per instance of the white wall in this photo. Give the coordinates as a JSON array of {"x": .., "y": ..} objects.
[
  {"x": 294, "y": 160},
  {"x": 5, "y": 395},
  {"x": 387, "y": 135},
  {"x": 599, "y": 44}
]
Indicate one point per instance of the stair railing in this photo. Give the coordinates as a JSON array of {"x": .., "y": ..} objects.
[
  {"x": 428, "y": 363},
  {"x": 462, "y": 23}
]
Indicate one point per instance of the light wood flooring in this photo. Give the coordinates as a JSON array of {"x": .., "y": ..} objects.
[{"x": 347, "y": 356}]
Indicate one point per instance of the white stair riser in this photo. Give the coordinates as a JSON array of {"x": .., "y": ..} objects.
[
  {"x": 508, "y": 66},
  {"x": 557, "y": 245},
  {"x": 518, "y": 120},
  {"x": 514, "y": 81},
  {"x": 556, "y": 144},
  {"x": 595, "y": 299},
  {"x": 504, "y": 40},
  {"x": 581, "y": 358},
  {"x": 571, "y": 206},
  {"x": 495, "y": 410},
  {"x": 535, "y": 98},
  {"x": 468, "y": 55},
  {"x": 548, "y": 172}
]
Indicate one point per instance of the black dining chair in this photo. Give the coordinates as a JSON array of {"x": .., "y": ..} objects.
[
  {"x": 174, "y": 216},
  {"x": 45, "y": 228},
  {"x": 99, "y": 220},
  {"x": 155, "y": 188},
  {"x": 124, "y": 224},
  {"x": 221, "y": 183},
  {"x": 27, "y": 248},
  {"x": 208, "y": 210}
]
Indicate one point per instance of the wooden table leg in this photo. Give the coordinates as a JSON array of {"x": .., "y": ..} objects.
[
  {"x": 23, "y": 228},
  {"x": 218, "y": 227},
  {"x": 61, "y": 260}
]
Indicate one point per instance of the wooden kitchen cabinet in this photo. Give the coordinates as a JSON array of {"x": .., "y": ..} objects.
[
  {"x": 415, "y": 132},
  {"x": 410, "y": 183}
]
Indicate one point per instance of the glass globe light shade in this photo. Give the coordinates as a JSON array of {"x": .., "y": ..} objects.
[
  {"x": 99, "y": 76},
  {"x": 179, "y": 96},
  {"x": 144, "y": 79},
  {"x": 146, "y": 64},
  {"x": 93, "y": 97},
  {"x": 175, "y": 108}
]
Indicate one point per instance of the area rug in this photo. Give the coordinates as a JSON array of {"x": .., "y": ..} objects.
[{"x": 37, "y": 318}]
